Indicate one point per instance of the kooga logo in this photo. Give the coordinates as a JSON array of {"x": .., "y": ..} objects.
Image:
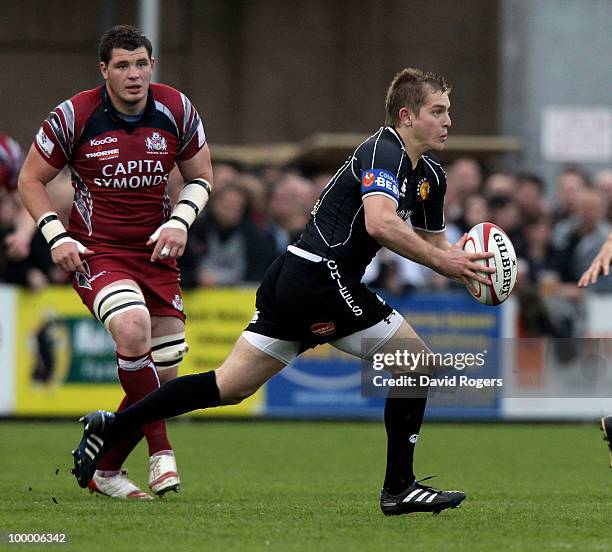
[{"x": 107, "y": 140}]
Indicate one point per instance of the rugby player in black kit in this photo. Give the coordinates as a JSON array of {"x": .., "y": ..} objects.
[{"x": 313, "y": 293}]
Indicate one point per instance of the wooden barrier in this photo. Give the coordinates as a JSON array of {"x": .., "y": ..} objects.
[{"x": 328, "y": 150}]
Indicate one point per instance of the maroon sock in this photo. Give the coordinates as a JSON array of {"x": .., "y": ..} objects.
[
  {"x": 115, "y": 457},
  {"x": 139, "y": 378}
]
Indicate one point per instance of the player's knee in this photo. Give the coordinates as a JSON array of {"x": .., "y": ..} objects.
[
  {"x": 235, "y": 395},
  {"x": 122, "y": 307},
  {"x": 234, "y": 398},
  {"x": 132, "y": 327}
]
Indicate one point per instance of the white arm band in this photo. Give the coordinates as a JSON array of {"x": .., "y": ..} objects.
[
  {"x": 191, "y": 201},
  {"x": 54, "y": 232}
]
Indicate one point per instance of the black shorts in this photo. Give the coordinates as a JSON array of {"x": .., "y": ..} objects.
[{"x": 313, "y": 302}]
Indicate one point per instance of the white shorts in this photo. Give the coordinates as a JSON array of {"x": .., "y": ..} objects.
[{"x": 377, "y": 336}]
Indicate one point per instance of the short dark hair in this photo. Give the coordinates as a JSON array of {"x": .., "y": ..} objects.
[
  {"x": 409, "y": 88},
  {"x": 533, "y": 178},
  {"x": 126, "y": 37},
  {"x": 500, "y": 202},
  {"x": 578, "y": 171}
]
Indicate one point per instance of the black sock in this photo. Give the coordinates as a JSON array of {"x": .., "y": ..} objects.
[
  {"x": 175, "y": 397},
  {"x": 403, "y": 418}
]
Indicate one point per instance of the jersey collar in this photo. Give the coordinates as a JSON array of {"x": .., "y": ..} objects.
[
  {"x": 399, "y": 139},
  {"x": 110, "y": 110}
]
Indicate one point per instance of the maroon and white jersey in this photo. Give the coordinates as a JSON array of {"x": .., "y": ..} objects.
[
  {"x": 11, "y": 158},
  {"x": 120, "y": 168}
]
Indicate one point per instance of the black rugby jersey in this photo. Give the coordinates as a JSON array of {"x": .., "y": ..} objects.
[{"x": 380, "y": 165}]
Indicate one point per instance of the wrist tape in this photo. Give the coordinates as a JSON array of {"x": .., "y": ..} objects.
[
  {"x": 191, "y": 201},
  {"x": 54, "y": 232}
]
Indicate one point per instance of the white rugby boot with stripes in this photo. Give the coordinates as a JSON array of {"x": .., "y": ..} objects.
[
  {"x": 419, "y": 498},
  {"x": 117, "y": 486},
  {"x": 163, "y": 474}
]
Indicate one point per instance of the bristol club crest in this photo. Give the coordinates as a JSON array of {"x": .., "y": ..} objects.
[
  {"x": 156, "y": 142},
  {"x": 177, "y": 303}
]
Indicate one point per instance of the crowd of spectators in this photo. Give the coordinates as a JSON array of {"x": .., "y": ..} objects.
[{"x": 253, "y": 215}]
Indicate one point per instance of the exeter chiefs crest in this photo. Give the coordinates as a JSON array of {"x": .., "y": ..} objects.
[
  {"x": 423, "y": 190},
  {"x": 156, "y": 142}
]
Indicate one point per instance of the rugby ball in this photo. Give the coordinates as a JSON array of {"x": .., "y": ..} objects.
[{"x": 487, "y": 237}]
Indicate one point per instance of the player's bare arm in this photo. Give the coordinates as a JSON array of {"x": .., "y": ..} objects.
[
  {"x": 437, "y": 239},
  {"x": 33, "y": 178},
  {"x": 199, "y": 166},
  {"x": 600, "y": 265},
  {"x": 171, "y": 238},
  {"x": 388, "y": 229}
]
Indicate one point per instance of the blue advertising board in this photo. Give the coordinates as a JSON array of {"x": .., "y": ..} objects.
[{"x": 326, "y": 383}]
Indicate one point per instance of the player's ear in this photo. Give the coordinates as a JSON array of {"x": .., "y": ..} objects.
[
  {"x": 406, "y": 116},
  {"x": 104, "y": 70}
]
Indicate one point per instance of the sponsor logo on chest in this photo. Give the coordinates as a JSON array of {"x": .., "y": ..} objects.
[
  {"x": 132, "y": 174},
  {"x": 103, "y": 148},
  {"x": 108, "y": 147},
  {"x": 103, "y": 155}
]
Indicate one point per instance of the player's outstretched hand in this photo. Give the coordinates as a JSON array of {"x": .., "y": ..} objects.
[
  {"x": 67, "y": 255},
  {"x": 169, "y": 242},
  {"x": 600, "y": 265},
  {"x": 464, "y": 267}
]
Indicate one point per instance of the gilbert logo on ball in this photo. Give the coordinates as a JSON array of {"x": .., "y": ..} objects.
[{"x": 487, "y": 237}]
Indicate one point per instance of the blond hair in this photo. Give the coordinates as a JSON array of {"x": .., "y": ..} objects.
[{"x": 409, "y": 88}]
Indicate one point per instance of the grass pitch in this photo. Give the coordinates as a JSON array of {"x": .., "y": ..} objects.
[{"x": 314, "y": 486}]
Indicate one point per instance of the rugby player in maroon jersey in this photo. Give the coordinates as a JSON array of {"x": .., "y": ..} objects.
[
  {"x": 17, "y": 242},
  {"x": 120, "y": 142},
  {"x": 10, "y": 162}
]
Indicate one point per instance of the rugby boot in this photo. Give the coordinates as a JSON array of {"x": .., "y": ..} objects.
[
  {"x": 163, "y": 474},
  {"x": 93, "y": 445},
  {"x": 419, "y": 498},
  {"x": 117, "y": 486}
]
